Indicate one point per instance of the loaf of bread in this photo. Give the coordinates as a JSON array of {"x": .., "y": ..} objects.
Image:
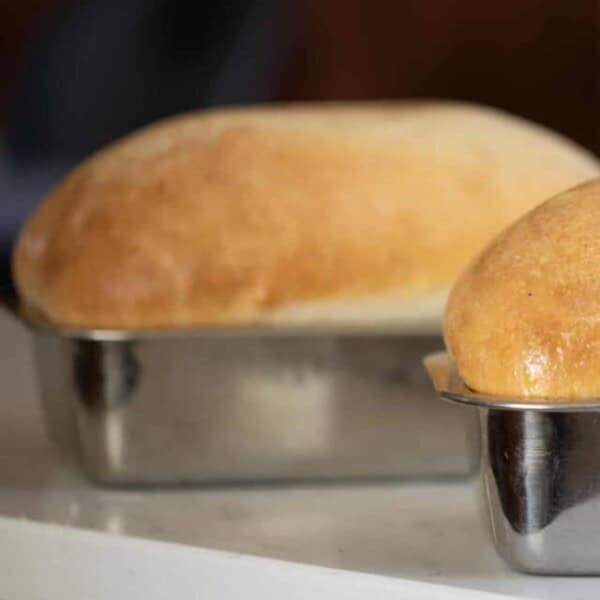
[
  {"x": 524, "y": 319},
  {"x": 352, "y": 214}
]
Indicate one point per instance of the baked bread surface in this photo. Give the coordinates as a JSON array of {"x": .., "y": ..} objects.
[
  {"x": 358, "y": 214},
  {"x": 524, "y": 319}
]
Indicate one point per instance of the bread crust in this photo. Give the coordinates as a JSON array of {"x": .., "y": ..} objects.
[
  {"x": 523, "y": 320},
  {"x": 233, "y": 216}
]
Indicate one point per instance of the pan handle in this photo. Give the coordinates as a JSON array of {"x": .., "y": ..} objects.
[{"x": 437, "y": 366}]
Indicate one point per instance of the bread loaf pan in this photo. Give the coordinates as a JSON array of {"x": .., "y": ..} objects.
[
  {"x": 246, "y": 405},
  {"x": 540, "y": 477}
]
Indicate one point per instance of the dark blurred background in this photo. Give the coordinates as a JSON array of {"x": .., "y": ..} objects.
[{"x": 77, "y": 74}]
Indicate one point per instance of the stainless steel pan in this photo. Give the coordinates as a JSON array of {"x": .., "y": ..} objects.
[
  {"x": 540, "y": 476},
  {"x": 170, "y": 407}
]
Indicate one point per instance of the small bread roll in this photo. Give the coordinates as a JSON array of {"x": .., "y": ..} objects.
[
  {"x": 524, "y": 319},
  {"x": 359, "y": 214}
]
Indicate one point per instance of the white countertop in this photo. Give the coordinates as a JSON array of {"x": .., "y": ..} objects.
[
  {"x": 71, "y": 564},
  {"x": 427, "y": 531}
]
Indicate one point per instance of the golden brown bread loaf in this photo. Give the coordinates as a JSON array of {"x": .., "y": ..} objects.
[
  {"x": 524, "y": 318},
  {"x": 349, "y": 214}
]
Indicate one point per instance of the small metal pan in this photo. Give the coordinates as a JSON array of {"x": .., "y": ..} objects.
[
  {"x": 246, "y": 404},
  {"x": 540, "y": 475}
]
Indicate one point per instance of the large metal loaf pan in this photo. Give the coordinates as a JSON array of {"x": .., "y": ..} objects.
[{"x": 246, "y": 405}]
